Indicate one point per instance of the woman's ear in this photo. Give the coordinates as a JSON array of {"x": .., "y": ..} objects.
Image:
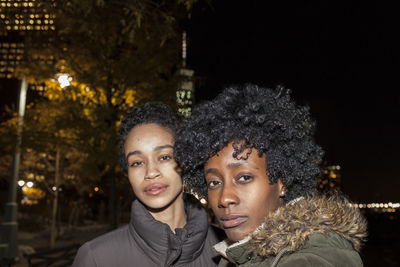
[
  {"x": 281, "y": 188},
  {"x": 178, "y": 169}
]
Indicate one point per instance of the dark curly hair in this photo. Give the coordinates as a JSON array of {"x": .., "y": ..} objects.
[
  {"x": 266, "y": 120},
  {"x": 152, "y": 112}
]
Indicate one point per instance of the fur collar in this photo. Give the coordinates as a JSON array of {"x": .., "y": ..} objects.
[{"x": 290, "y": 225}]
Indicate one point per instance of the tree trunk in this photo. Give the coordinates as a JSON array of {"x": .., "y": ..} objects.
[
  {"x": 112, "y": 198},
  {"x": 55, "y": 201},
  {"x": 72, "y": 217},
  {"x": 112, "y": 204}
]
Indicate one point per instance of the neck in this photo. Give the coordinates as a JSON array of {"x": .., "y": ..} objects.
[{"x": 174, "y": 215}]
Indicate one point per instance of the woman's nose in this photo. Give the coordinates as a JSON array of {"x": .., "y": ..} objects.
[
  {"x": 228, "y": 197},
  {"x": 152, "y": 171}
]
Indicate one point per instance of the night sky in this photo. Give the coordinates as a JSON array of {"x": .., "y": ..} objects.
[{"x": 339, "y": 57}]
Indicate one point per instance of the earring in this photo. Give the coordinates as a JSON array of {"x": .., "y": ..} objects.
[{"x": 283, "y": 192}]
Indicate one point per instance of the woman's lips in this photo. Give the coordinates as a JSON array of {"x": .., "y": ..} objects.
[
  {"x": 233, "y": 221},
  {"x": 155, "y": 189}
]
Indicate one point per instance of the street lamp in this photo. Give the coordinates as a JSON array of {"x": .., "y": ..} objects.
[
  {"x": 64, "y": 80},
  {"x": 9, "y": 227}
]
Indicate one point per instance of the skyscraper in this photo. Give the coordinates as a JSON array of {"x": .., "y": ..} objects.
[
  {"x": 18, "y": 18},
  {"x": 185, "y": 90}
]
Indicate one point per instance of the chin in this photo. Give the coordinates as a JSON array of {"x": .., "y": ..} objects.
[
  {"x": 161, "y": 202},
  {"x": 158, "y": 203},
  {"x": 239, "y": 233},
  {"x": 234, "y": 237}
]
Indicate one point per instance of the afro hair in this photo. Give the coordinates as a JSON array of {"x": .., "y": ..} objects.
[
  {"x": 266, "y": 120},
  {"x": 152, "y": 112}
]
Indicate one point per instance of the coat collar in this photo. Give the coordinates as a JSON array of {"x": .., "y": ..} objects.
[
  {"x": 290, "y": 226},
  {"x": 158, "y": 241}
]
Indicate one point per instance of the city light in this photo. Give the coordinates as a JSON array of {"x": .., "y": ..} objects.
[
  {"x": 380, "y": 207},
  {"x": 64, "y": 80}
]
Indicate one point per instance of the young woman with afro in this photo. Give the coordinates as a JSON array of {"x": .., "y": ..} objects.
[
  {"x": 167, "y": 227},
  {"x": 252, "y": 151}
]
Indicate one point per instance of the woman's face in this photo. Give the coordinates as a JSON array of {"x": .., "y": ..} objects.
[
  {"x": 152, "y": 170},
  {"x": 239, "y": 191}
]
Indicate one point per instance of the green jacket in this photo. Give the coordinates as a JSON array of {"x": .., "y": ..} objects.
[{"x": 316, "y": 231}]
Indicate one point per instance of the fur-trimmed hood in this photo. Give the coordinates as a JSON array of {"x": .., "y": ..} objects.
[{"x": 291, "y": 225}]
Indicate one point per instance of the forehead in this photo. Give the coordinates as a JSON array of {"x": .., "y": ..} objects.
[
  {"x": 150, "y": 133},
  {"x": 225, "y": 157}
]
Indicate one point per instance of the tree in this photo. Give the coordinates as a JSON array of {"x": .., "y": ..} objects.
[
  {"x": 118, "y": 54},
  {"x": 48, "y": 146},
  {"x": 109, "y": 45}
]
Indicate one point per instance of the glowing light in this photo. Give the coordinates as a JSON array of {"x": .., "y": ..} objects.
[
  {"x": 54, "y": 188},
  {"x": 96, "y": 189},
  {"x": 386, "y": 207},
  {"x": 21, "y": 183},
  {"x": 64, "y": 80},
  {"x": 29, "y": 184}
]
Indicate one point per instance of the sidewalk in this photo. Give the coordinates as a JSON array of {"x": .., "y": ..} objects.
[{"x": 36, "y": 242}]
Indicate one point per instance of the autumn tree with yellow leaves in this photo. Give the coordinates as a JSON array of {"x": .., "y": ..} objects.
[{"x": 118, "y": 54}]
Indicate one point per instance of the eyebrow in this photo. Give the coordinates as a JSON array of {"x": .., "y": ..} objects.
[
  {"x": 211, "y": 170},
  {"x": 241, "y": 163},
  {"x": 230, "y": 166},
  {"x": 157, "y": 148},
  {"x": 162, "y": 147}
]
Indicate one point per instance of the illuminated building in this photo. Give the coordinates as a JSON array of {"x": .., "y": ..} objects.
[
  {"x": 17, "y": 19},
  {"x": 185, "y": 91},
  {"x": 330, "y": 180}
]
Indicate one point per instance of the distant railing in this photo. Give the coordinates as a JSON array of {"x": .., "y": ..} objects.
[{"x": 63, "y": 256}]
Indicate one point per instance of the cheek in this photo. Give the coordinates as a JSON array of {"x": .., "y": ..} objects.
[
  {"x": 133, "y": 177},
  {"x": 172, "y": 167},
  {"x": 171, "y": 172},
  {"x": 260, "y": 197},
  {"x": 257, "y": 204},
  {"x": 177, "y": 180},
  {"x": 267, "y": 204},
  {"x": 212, "y": 199}
]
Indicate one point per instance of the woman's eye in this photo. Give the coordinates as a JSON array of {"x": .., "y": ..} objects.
[
  {"x": 245, "y": 178},
  {"x": 136, "y": 163},
  {"x": 166, "y": 157},
  {"x": 213, "y": 184}
]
